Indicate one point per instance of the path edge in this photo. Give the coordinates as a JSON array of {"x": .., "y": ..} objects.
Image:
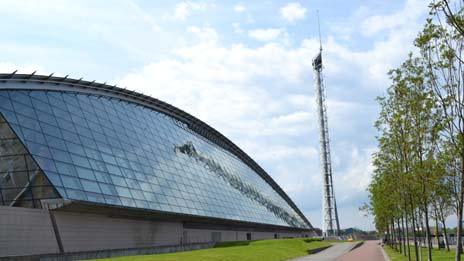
[
  {"x": 317, "y": 250},
  {"x": 356, "y": 246},
  {"x": 385, "y": 255}
]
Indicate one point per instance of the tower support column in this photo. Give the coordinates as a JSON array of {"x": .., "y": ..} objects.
[{"x": 330, "y": 226}]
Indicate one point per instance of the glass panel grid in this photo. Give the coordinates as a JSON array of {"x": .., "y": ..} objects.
[
  {"x": 110, "y": 151},
  {"x": 22, "y": 182}
]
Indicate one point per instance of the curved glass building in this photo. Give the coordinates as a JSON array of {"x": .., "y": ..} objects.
[{"x": 73, "y": 147}]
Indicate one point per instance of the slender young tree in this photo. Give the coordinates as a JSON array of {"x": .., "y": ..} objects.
[
  {"x": 441, "y": 47},
  {"x": 419, "y": 167}
]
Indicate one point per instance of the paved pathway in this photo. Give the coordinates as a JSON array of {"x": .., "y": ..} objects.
[
  {"x": 369, "y": 251},
  {"x": 329, "y": 254}
]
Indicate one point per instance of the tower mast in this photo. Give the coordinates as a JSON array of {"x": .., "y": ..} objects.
[{"x": 331, "y": 226}]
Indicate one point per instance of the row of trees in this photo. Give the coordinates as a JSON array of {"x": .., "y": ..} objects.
[{"x": 419, "y": 167}]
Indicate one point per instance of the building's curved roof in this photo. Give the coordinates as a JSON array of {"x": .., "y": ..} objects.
[{"x": 54, "y": 83}]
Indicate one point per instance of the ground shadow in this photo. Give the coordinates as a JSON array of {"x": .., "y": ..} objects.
[
  {"x": 232, "y": 244},
  {"x": 317, "y": 250}
]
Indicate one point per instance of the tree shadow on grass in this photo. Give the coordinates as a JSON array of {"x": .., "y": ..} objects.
[
  {"x": 232, "y": 244},
  {"x": 317, "y": 250},
  {"x": 309, "y": 240}
]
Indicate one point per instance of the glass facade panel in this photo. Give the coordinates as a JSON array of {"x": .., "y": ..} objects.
[
  {"x": 22, "y": 183},
  {"x": 107, "y": 150}
]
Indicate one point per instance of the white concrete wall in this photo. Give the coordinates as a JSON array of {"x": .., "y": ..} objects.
[
  {"x": 203, "y": 235},
  {"x": 261, "y": 235},
  {"x": 26, "y": 231},
  {"x": 86, "y": 232}
]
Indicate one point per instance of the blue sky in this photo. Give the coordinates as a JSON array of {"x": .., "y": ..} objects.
[{"x": 244, "y": 67}]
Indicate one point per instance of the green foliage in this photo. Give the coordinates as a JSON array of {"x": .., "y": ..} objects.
[
  {"x": 274, "y": 249},
  {"x": 419, "y": 165}
]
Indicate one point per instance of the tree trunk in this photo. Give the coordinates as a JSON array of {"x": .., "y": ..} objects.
[
  {"x": 420, "y": 228},
  {"x": 403, "y": 235},
  {"x": 436, "y": 226},
  {"x": 394, "y": 234},
  {"x": 459, "y": 212},
  {"x": 390, "y": 233},
  {"x": 445, "y": 232},
  {"x": 387, "y": 235},
  {"x": 400, "y": 240},
  {"x": 459, "y": 227},
  {"x": 427, "y": 233},
  {"x": 458, "y": 233},
  {"x": 391, "y": 236},
  {"x": 416, "y": 250},
  {"x": 407, "y": 234}
]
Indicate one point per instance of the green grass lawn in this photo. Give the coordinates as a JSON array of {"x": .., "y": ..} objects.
[
  {"x": 437, "y": 255},
  {"x": 269, "y": 250}
]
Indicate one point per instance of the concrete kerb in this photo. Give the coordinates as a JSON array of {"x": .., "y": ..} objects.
[
  {"x": 357, "y": 245},
  {"x": 317, "y": 250},
  {"x": 385, "y": 255},
  {"x": 334, "y": 251}
]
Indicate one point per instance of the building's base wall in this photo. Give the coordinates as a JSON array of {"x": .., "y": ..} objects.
[
  {"x": 87, "y": 232},
  {"x": 98, "y": 254},
  {"x": 27, "y": 231},
  {"x": 205, "y": 235}
]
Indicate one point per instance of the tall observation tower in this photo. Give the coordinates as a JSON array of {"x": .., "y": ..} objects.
[{"x": 331, "y": 226}]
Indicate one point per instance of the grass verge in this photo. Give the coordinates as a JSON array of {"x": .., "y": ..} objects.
[
  {"x": 270, "y": 250},
  {"x": 437, "y": 255}
]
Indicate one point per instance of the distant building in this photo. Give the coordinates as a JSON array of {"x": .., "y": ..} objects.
[{"x": 86, "y": 166}]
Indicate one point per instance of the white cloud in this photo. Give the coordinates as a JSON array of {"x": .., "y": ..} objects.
[
  {"x": 349, "y": 215},
  {"x": 266, "y": 35},
  {"x": 123, "y": 25},
  {"x": 204, "y": 34},
  {"x": 183, "y": 9},
  {"x": 7, "y": 67},
  {"x": 145, "y": 17},
  {"x": 239, "y": 8},
  {"x": 350, "y": 184},
  {"x": 282, "y": 152},
  {"x": 407, "y": 16},
  {"x": 357, "y": 174},
  {"x": 237, "y": 28},
  {"x": 201, "y": 76},
  {"x": 370, "y": 66},
  {"x": 293, "y": 12}
]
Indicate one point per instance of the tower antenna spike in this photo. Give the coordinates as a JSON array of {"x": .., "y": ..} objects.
[
  {"x": 319, "y": 29},
  {"x": 331, "y": 225}
]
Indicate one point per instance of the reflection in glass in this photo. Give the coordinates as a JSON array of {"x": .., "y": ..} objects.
[
  {"x": 106, "y": 150},
  {"x": 22, "y": 183}
]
